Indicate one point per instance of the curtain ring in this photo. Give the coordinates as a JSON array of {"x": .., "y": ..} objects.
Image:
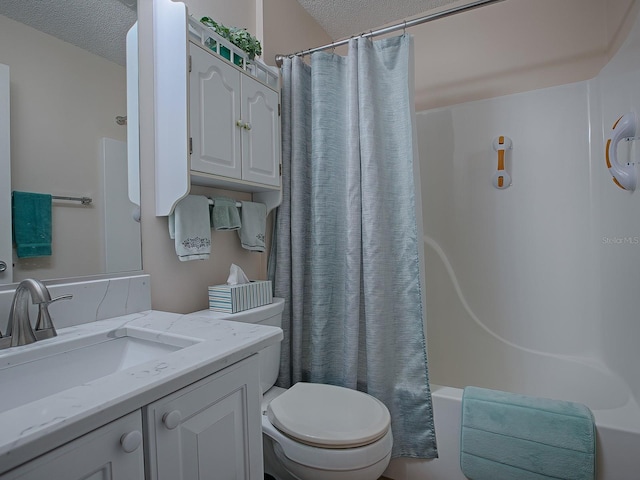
[
  {"x": 404, "y": 32},
  {"x": 333, "y": 48}
]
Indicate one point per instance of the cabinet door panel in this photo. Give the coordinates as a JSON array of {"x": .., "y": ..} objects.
[
  {"x": 219, "y": 436},
  {"x": 95, "y": 456},
  {"x": 214, "y": 109},
  {"x": 260, "y": 143}
]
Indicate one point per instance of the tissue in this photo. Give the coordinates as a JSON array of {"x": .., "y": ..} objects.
[{"x": 236, "y": 276}]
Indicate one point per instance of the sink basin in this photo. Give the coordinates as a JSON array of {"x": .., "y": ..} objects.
[{"x": 40, "y": 370}]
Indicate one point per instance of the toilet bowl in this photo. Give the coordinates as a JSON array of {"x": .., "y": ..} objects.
[
  {"x": 313, "y": 431},
  {"x": 324, "y": 432}
]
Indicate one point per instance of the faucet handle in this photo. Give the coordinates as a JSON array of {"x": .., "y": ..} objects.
[{"x": 44, "y": 325}]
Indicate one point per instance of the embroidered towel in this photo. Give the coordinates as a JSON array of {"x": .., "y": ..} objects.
[
  {"x": 190, "y": 227},
  {"x": 254, "y": 223},
  {"x": 225, "y": 215},
  {"x": 31, "y": 214},
  {"x": 506, "y": 436}
]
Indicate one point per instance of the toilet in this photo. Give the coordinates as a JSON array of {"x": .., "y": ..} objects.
[{"x": 313, "y": 431}]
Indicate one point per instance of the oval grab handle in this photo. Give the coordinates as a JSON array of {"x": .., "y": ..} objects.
[
  {"x": 624, "y": 176},
  {"x": 172, "y": 419},
  {"x": 3, "y": 266},
  {"x": 131, "y": 441}
]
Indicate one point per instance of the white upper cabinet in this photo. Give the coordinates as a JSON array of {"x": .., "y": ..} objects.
[
  {"x": 260, "y": 133},
  {"x": 214, "y": 108},
  {"x": 217, "y": 124},
  {"x": 234, "y": 123}
]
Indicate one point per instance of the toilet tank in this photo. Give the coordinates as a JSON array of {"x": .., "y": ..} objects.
[{"x": 271, "y": 315}]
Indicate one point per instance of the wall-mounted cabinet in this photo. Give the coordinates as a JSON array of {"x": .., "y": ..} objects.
[
  {"x": 234, "y": 123},
  {"x": 217, "y": 124}
]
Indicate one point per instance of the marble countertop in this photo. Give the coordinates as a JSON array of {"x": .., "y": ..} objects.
[{"x": 34, "y": 428}]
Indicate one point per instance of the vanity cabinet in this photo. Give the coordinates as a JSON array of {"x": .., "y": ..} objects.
[
  {"x": 112, "y": 452},
  {"x": 211, "y": 429},
  {"x": 234, "y": 122}
]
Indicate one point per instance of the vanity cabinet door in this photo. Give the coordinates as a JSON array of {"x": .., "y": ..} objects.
[
  {"x": 208, "y": 430},
  {"x": 112, "y": 452}
]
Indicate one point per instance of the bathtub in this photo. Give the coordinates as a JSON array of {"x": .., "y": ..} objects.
[
  {"x": 463, "y": 350},
  {"x": 618, "y": 441}
]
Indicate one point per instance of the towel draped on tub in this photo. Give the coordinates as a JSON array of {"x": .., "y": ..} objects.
[{"x": 506, "y": 436}]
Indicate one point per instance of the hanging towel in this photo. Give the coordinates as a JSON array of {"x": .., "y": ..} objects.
[
  {"x": 189, "y": 226},
  {"x": 225, "y": 215},
  {"x": 506, "y": 436},
  {"x": 31, "y": 213},
  {"x": 254, "y": 223}
]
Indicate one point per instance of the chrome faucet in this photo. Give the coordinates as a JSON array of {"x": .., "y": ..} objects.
[{"x": 19, "y": 327}]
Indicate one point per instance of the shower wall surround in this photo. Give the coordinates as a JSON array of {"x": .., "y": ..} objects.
[
  {"x": 549, "y": 266},
  {"x": 534, "y": 289}
]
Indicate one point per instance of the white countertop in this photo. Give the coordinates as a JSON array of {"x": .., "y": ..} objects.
[{"x": 34, "y": 428}]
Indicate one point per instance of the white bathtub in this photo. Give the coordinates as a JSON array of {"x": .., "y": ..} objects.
[{"x": 618, "y": 442}]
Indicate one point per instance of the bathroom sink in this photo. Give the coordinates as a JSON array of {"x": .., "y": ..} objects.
[{"x": 45, "y": 368}]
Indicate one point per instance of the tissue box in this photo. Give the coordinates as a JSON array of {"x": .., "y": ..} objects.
[{"x": 236, "y": 298}]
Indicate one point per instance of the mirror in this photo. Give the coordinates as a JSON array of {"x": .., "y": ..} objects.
[{"x": 68, "y": 108}]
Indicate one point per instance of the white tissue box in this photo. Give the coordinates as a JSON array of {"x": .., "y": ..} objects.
[{"x": 236, "y": 298}]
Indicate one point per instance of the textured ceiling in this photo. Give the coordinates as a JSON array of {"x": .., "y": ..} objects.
[
  {"x": 99, "y": 26},
  {"x": 344, "y": 18}
]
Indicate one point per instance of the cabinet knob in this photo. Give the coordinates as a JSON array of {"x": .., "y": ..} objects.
[
  {"x": 172, "y": 419},
  {"x": 247, "y": 126},
  {"x": 131, "y": 441},
  {"x": 239, "y": 123}
]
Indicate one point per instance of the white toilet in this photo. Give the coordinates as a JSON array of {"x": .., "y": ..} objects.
[{"x": 313, "y": 431}]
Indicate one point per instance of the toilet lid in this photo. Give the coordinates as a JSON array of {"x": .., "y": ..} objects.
[{"x": 329, "y": 416}]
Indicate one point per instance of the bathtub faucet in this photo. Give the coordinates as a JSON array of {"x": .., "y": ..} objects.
[{"x": 19, "y": 326}]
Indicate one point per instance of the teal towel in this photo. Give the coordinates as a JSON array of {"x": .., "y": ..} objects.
[
  {"x": 254, "y": 224},
  {"x": 225, "y": 215},
  {"x": 31, "y": 213},
  {"x": 506, "y": 436}
]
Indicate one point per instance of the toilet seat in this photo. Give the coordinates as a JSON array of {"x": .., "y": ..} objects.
[
  {"x": 328, "y": 416},
  {"x": 334, "y": 459}
]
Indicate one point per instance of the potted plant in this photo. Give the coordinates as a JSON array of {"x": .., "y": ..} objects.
[{"x": 240, "y": 37}]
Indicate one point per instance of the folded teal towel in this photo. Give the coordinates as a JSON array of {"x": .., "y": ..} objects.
[
  {"x": 254, "y": 223},
  {"x": 225, "y": 215},
  {"x": 31, "y": 213},
  {"x": 507, "y": 436}
]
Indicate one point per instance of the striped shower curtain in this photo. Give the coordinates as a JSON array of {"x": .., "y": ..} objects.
[{"x": 346, "y": 243}]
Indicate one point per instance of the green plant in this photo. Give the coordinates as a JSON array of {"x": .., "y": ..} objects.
[
  {"x": 220, "y": 29},
  {"x": 240, "y": 37}
]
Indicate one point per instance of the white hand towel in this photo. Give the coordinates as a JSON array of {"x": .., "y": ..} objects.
[
  {"x": 190, "y": 226},
  {"x": 254, "y": 223}
]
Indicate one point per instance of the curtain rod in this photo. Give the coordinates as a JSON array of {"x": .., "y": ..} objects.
[{"x": 393, "y": 28}]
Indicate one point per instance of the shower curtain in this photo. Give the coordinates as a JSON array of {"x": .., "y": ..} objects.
[{"x": 345, "y": 253}]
